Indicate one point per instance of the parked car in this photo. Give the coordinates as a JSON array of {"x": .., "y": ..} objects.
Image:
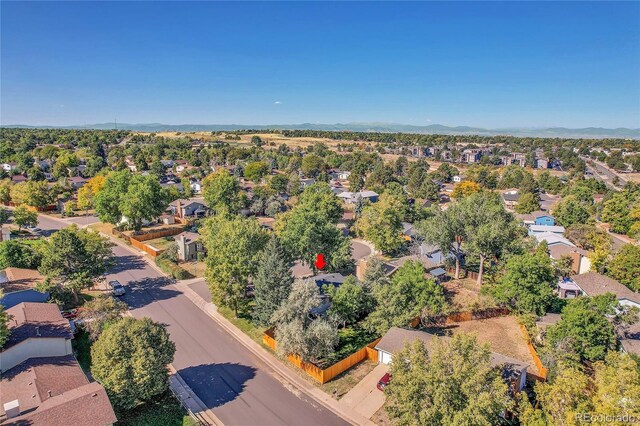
[
  {"x": 117, "y": 289},
  {"x": 384, "y": 381},
  {"x": 33, "y": 229}
]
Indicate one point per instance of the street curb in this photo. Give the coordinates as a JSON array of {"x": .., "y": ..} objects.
[{"x": 276, "y": 365}]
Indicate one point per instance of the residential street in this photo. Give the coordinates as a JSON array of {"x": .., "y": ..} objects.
[{"x": 238, "y": 387}]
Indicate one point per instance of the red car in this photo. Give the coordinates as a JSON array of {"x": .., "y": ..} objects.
[{"x": 384, "y": 381}]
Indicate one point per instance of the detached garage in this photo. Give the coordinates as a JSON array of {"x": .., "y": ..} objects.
[{"x": 513, "y": 371}]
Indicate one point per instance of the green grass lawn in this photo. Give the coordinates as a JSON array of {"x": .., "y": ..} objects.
[
  {"x": 164, "y": 410},
  {"x": 352, "y": 339},
  {"x": 161, "y": 243},
  {"x": 243, "y": 322}
]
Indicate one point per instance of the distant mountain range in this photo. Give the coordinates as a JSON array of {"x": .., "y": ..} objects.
[{"x": 551, "y": 132}]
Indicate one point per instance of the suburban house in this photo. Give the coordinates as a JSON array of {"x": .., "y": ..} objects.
[
  {"x": 196, "y": 186},
  {"x": 9, "y": 167},
  {"x": 542, "y": 163},
  {"x": 36, "y": 330},
  {"x": 304, "y": 183},
  {"x": 18, "y": 178},
  {"x": 334, "y": 279},
  {"x": 76, "y": 182},
  {"x": 458, "y": 178},
  {"x": 167, "y": 163},
  {"x": 353, "y": 197},
  {"x": 53, "y": 391},
  {"x": 552, "y": 239},
  {"x": 538, "y": 217},
  {"x": 181, "y": 166},
  {"x": 514, "y": 371},
  {"x": 187, "y": 208},
  {"x": 541, "y": 229},
  {"x": 189, "y": 245},
  {"x": 511, "y": 198},
  {"x": 18, "y": 286},
  {"x": 580, "y": 262},
  {"x": 595, "y": 284},
  {"x": 343, "y": 175}
]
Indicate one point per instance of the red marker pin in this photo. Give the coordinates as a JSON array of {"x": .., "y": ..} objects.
[{"x": 320, "y": 263}]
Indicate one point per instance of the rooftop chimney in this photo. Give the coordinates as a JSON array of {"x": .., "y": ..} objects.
[
  {"x": 37, "y": 331},
  {"x": 50, "y": 393},
  {"x": 12, "y": 409}
]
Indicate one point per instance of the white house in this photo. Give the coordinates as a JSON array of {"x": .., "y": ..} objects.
[
  {"x": 458, "y": 178},
  {"x": 36, "y": 330},
  {"x": 595, "y": 284},
  {"x": 514, "y": 371},
  {"x": 8, "y": 167}
]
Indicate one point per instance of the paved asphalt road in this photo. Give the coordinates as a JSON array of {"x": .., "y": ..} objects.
[{"x": 230, "y": 380}]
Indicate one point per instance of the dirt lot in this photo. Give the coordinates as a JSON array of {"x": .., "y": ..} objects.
[{"x": 503, "y": 335}]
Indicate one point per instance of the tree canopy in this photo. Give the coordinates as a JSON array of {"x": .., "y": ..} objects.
[
  {"x": 452, "y": 384},
  {"x": 130, "y": 360}
]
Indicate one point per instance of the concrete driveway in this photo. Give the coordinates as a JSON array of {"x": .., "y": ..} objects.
[{"x": 365, "y": 398}]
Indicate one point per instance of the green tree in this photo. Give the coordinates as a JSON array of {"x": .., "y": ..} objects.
[
  {"x": 585, "y": 327},
  {"x": 404, "y": 298},
  {"x": 452, "y": 384},
  {"x": 108, "y": 199},
  {"x": 130, "y": 360},
  {"x": 221, "y": 191},
  {"x": 278, "y": 183},
  {"x": 527, "y": 284},
  {"x": 272, "y": 282},
  {"x": 447, "y": 230},
  {"x": 233, "y": 250},
  {"x": 617, "y": 210},
  {"x": 100, "y": 313},
  {"x": 256, "y": 170},
  {"x": 381, "y": 223},
  {"x": 349, "y": 301},
  {"x": 142, "y": 201},
  {"x": 570, "y": 211},
  {"x": 297, "y": 332},
  {"x": 625, "y": 266},
  {"x": 312, "y": 165},
  {"x": 527, "y": 203},
  {"x": 74, "y": 258},
  {"x": 310, "y": 228},
  {"x": 22, "y": 216},
  {"x": 17, "y": 254}
]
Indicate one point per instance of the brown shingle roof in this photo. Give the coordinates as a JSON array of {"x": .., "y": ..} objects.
[
  {"x": 595, "y": 284},
  {"x": 87, "y": 405},
  {"x": 20, "y": 279},
  {"x": 35, "y": 320},
  {"x": 31, "y": 381},
  {"x": 558, "y": 250}
]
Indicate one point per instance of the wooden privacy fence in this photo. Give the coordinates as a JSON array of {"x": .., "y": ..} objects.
[
  {"x": 542, "y": 376},
  {"x": 138, "y": 240},
  {"x": 324, "y": 375}
]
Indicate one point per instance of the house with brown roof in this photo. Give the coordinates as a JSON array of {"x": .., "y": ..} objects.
[
  {"x": 513, "y": 371},
  {"x": 19, "y": 285},
  {"x": 52, "y": 391},
  {"x": 36, "y": 330},
  {"x": 580, "y": 262},
  {"x": 189, "y": 245},
  {"x": 595, "y": 284}
]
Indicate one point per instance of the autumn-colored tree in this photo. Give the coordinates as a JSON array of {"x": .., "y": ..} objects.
[{"x": 464, "y": 189}]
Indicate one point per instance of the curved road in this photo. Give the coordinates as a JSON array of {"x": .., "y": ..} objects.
[{"x": 237, "y": 386}]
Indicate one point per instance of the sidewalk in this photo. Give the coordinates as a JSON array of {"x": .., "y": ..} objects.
[{"x": 290, "y": 376}]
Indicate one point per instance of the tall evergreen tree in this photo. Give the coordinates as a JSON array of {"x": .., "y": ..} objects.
[{"x": 272, "y": 282}]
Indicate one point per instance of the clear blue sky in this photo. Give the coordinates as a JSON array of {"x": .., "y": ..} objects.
[{"x": 481, "y": 64}]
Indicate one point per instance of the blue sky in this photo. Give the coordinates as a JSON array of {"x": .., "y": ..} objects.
[{"x": 481, "y": 64}]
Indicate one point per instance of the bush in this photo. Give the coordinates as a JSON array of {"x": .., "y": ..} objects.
[{"x": 171, "y": 268}]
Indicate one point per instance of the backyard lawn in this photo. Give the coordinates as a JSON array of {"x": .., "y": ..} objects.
[{"x": 161, "y": 243}]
